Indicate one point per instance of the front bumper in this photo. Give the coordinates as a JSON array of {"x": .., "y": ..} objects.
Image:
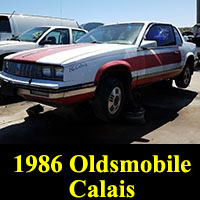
[
  {"x": 43, "y": 91},
  {"x": 30, "y": 82}
]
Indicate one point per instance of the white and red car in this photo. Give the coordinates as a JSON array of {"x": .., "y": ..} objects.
[{"x": 102, "y": 67}]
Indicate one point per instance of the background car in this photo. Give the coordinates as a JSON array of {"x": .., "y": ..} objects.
[
  {"x": 39, "y": 37},
  {"x": 188, "y": 36},
  {"x": 12, "y": 25},
  {"x": 91, "y": 25}
]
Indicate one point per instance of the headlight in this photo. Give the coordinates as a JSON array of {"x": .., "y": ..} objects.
[
  {"x": 59, "y": 73},
  {"x": 47, "y": 72},
  {"x": 53, "y": 72}
]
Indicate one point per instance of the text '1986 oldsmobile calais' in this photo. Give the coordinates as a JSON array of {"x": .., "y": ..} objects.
[{"x": 103, "y": 66}]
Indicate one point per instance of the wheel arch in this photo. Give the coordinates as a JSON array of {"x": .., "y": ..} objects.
[
  {"x": 190, "y": 60},
  {"x": 115, "y": 69}
]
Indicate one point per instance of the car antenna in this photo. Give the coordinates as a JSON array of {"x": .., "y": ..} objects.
[
  {"x": 11, "y": 17},
  {"x": 12, "y": 14},
  {"x": 61, "y": 12}
]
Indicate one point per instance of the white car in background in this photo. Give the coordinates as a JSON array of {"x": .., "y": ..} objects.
[
  {"x": 102, "y": 68},
  {"x": 39, "y": 37},
  {"x": 12, "y": 25},
  {"x": 188, "y": 36}
]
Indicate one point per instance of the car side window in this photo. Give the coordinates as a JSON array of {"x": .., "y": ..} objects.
[
  {"x": 179, "y": 41},
  {"x": 5, "y": 24},
  {"x": 77, "y": 35},
  {"x": 58, "y": 36},
  {"x": 163, "y": 34}
]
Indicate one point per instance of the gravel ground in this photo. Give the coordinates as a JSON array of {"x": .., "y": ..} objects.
[{"x": 172, "y": 116}]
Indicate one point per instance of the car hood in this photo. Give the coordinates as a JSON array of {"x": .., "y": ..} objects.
[
  {"x": 4, "y": 43},
  {"x": 15, "y": 45},
  {"x": 67, "y": 53}
]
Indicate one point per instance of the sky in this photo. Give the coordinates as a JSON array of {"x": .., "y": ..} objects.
[{"x": 179, "y": 12}]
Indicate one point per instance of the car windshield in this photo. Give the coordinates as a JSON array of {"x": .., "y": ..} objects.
[
  {"x": 32, "y": 35},
  {"x": 114, "y": 34}
]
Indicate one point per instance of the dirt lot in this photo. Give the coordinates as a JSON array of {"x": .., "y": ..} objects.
[{"x": 172, "y": 116}]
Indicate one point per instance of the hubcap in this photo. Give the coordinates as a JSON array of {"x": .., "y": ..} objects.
[
  {"x": 187, "y": 76},
  {"x": 114, "y": 101}
]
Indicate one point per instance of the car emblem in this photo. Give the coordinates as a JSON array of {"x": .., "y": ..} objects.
[{"x": 77, "y": 67}]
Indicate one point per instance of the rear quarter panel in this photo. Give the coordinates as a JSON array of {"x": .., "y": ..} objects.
[{"x": 189, "y": 50}]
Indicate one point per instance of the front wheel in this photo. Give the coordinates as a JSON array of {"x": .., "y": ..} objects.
[
  {"x": 184, "y": 79},
  {"x": 109, "y": 100}
]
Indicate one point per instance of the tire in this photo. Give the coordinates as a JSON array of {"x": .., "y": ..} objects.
[
  {"x": 109, "y": 100},
  {"x": 184, "y": 79}
]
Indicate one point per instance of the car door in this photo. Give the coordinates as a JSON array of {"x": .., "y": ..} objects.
[
  {"x": 172, "y": 59},
  {"x": 181, "y": 49},
  {"x": 160, "y": 62}
]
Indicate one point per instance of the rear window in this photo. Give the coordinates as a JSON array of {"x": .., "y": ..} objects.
[{"x": 5, "y": 25}]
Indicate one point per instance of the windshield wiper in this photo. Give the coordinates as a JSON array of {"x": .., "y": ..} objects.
[
  {"x": 97, "y": 42},
  {"x": 15, "y": 39}
]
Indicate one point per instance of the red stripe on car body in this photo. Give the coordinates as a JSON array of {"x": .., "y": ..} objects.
[
  {"x": 142, "y": 62},
  {"x": 155, "y": 78},
  {"x": 74, "y": 99},
  {"x": 156, "y": 60},
  {"x": 41, "y": 53}
]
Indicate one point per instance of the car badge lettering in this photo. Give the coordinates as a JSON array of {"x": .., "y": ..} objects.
[{"x": 77, "y": 67}]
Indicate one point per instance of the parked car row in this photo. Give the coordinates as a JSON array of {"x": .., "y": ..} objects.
[{"x": 102, "y": 67}]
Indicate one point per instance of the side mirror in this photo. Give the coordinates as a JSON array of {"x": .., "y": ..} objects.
[{"x": 149, "y": 44}]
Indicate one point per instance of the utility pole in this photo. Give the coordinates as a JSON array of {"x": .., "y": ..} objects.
[{"x": 198, "y": 11}]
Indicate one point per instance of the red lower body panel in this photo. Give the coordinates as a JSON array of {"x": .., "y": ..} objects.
[{"x": 61, "y": 101}]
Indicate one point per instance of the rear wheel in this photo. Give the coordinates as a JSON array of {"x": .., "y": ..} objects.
[
  {"x": 109, "y": 100},
  {"x": 184, "y": 79}
]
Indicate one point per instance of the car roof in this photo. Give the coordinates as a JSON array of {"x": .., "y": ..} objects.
[
  {"x": 29, "y": 15},
  {"x": 140, "y": 22},
  {"x": 55, "y": 27}
]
